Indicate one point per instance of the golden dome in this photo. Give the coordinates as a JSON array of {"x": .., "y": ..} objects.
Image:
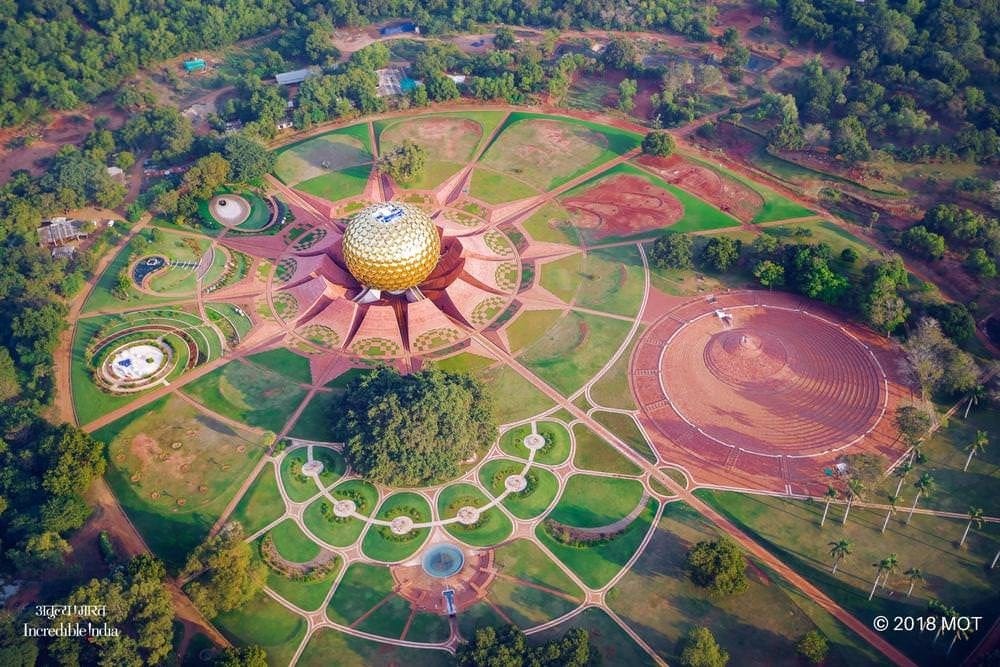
[{"x": 391, "y": 246}]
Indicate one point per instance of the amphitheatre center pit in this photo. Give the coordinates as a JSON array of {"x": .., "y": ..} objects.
[
  {"x": 767, "y": 380},
  {"x": 231, "y": 210}
]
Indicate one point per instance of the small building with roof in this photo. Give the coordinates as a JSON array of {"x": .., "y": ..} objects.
[{"x": 293, "y": 76}]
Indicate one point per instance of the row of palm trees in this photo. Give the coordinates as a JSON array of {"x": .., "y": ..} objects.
[{"x": 841, "y": 549}]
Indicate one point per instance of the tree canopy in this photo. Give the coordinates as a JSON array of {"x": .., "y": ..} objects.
[
  {"x": 699, "y": 649},
  {"x": 718, "y": 565},
  {"x": 228, "y": 575},
  {"x": 658, "y": 143},
  {"x": 508, "y": 647},
  {"x": 405, "y": 162},
  {"x": 407, "y": 430}
]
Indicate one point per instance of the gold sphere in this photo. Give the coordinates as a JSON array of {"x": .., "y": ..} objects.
[{"x": 391, "y": 246}]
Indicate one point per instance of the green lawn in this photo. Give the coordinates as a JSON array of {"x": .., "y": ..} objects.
[
  {"x": 596, "y": 565},
  {"x": 353, "y": 651},
  {"x": 338, "y": 150},
  {"x": 959, "y": 577},
  {"x": 292, "y": 544},
  {"x": 612, "y": 644},
  {"x": 612, "y": 390},
  {"x": 376, "y": 546},
  {"x": 522, "y": 560},
  {"x": 504, "y": 382},
  {"x": 298, "y": 485},
  {"x": 612, "y": 280},
  {"x": 552, "y": 150},
  {"x": 315, "y": 421},
  {"x": 529, "y": 326},
  {"x": 337, "y": 185},
  {"x": 308, "y": 595},
  {"x": 341, "y": 533},
  {"x": 389, "y": 619},
  {"x": 428, "y": 627},
  {"x": 493, "y": 187},
  {"x": 174, "y": 470},
  {"x": 479, "y": 615},
  {"x": 760, "y": 626},
  {"x": 625, "y": 428},
  {"x": 593, "y": 453},
  {"x": 526, "y": 504},
  {"x": 464, "y": 362},
  {"x": 493, "y": 526},
  {"x": 362, "y": 587},
  {"x": 562, "y": 277},
  {"x": 264, "y": 622},
  {"x": 245, "y": 393},
  {"x": 552, "y": 224},
  {"x": 554, "y": 452},
  {"x": 284, "y": 361},
  {"x": 261, "y": 504},
  {"x": 574, "y": 349},
  {"x": 591, "y": 501},
  {"x": 525, "y": 605}
]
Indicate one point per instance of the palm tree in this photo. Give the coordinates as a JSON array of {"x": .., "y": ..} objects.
[
  {"x": 839, "y": 550},
  {"x": 975, "y": 517},
  {"x": 890, "y": 565},
  {"x": 914, "y": 575},
  {"x": 925, "y": 486},
  {"x": 892, "y": 510},
  {"x": 959, "y": 634},
  {"x": 855, "y": 489},
  {"x": 901, "y": 472},
  {"x": 977, "y": 446},
  {"x": 831, "y": 494},
  {"x": 879, "y": 569},
  {"x": 977, "y": 394}
]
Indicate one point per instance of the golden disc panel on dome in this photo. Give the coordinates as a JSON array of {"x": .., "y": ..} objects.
[{"x": 391, "y": 246}]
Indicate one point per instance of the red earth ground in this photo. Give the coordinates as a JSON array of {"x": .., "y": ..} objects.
[
  {"x": 772, "y": 398},
  {"x": 623, "y": 205},
  {"x": 727, "y": 194}
]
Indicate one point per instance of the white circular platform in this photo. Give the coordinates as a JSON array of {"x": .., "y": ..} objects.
[
  {"x": 515, "y": 483},
  {"x": 534, "y": 441},
  {"x": 137, "y": 361},
  {"x": 468, "y": 515},
  {"x": 344, "y": 508},
  {"x": 401, "y": 525}
]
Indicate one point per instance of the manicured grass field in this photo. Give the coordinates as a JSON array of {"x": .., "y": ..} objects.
[
  {"x": 464, "y": 362},
  {"x": 521, "y": 505},
  {"x": 593, "y": 453},
  {"x": 494, "y": 526},
  {"x": 356, "y": 652},
  {"x": 612, "y": 390},
  {"x": 590, "y": 501},
  {"x": 315, "y": 421},
  {"x": 596, "y": 565},
  {"x": 298, "y": 485},
  {"x": 335, "y": 185},
  {"x": 574, "y": 349},
  {"x": 261, "y": 504},
  {"x": 553, "y": 150},
  {"x": 528, "y": 326},
  {"x": 625, "y": 428},
  {"x": 284, "y": 361},
  {"x": 338, "y": 150},
  {"x": 389, "y": 619},
  {"x": 334, "y": 465},
  {"x": 959, "y": 577},
  {"x": 450, "y": 141},
  {"x": 552, "y": 224},
  {"x": 525, "y": 605},
  {"x": 264, "y": 622},
  {"x": 946, "y": 452},
  {"x": 308, "y": 595},
  {"x": 292, "y": 544},
  {"x": 493, "y": 187},
  {"x": 525, "y": 562},
  {"x": 341, "y": 534},
  {"x": 759, "y": 626},
  {"x": 611, "y": 643},
  {"x": 244, "y": 393},
  {"x": 362, "y": 587},
  {"x": 612, "y": 281},
  {"x": 174, "y": 469},
  {"x": 512, "y": 442},
  {"x": 380, "y": 548},
  {"x": 505, "y": 381},
  {"x": 479, "y": 615},
  {"x": 428, "y": 627}
]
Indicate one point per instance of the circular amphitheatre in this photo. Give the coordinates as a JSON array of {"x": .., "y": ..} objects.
[
  {"x": 230, "y": 210},
  {"x": 769, "y": 380}
]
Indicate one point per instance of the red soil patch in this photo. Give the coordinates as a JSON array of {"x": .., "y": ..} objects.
[
  {"x": 448, "y": 139},
  {"x": 727, "y": 195},
  {"x": 770, "y": 398},
  {"x": 623, "y": 205}
]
